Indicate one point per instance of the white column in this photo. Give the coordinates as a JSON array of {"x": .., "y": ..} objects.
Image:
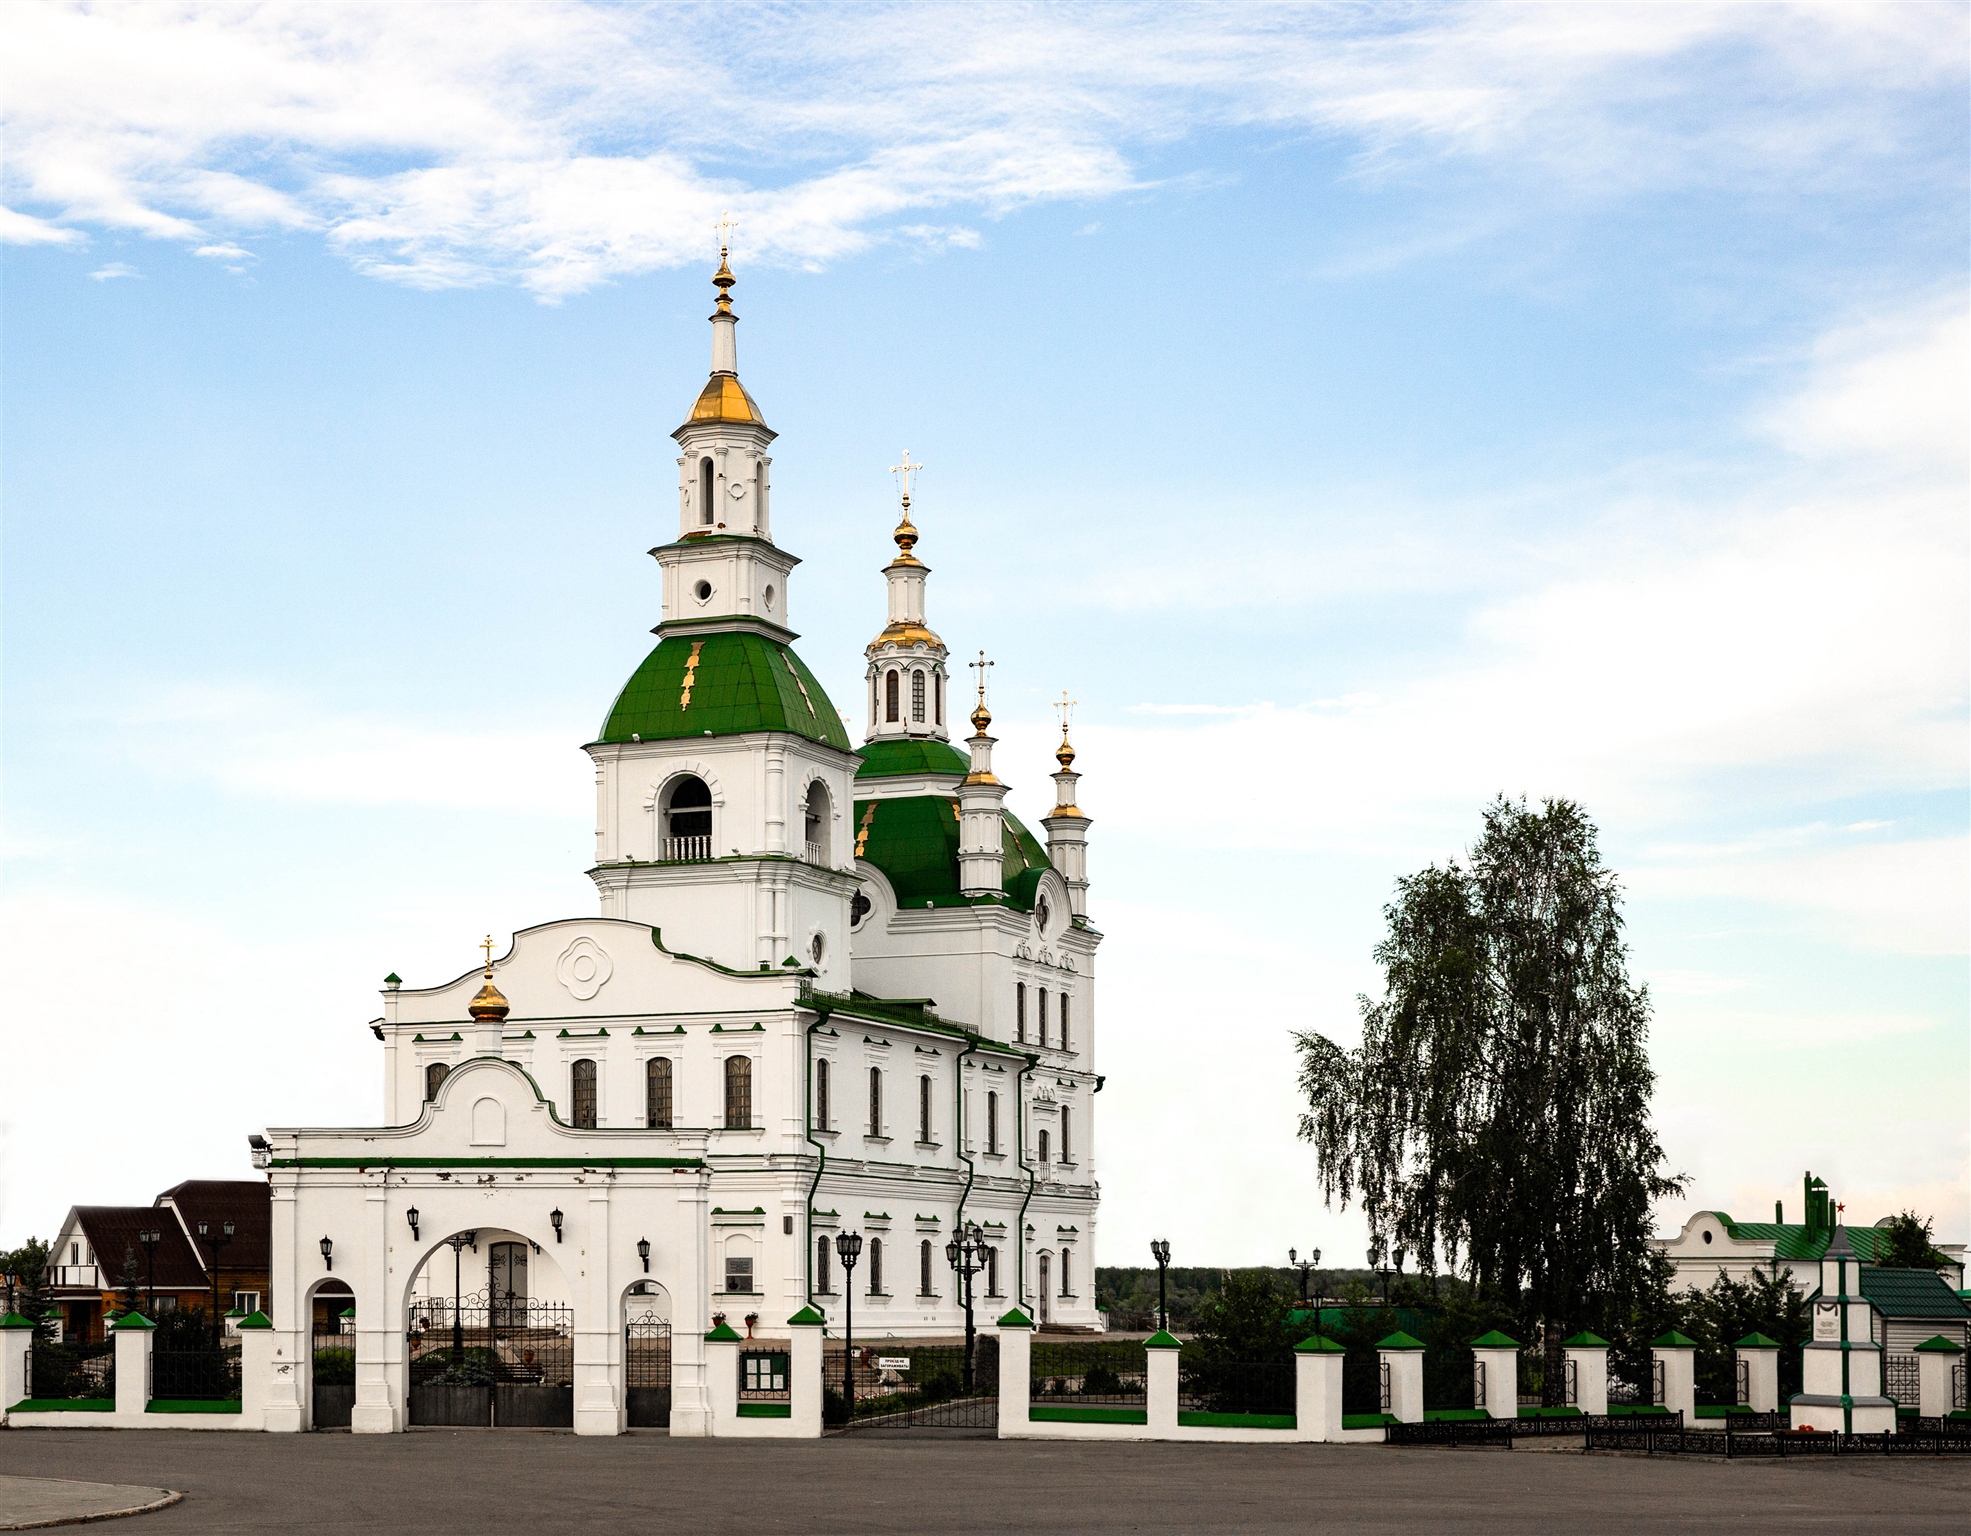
[
  {"x": 16, "y": 1339},
  {"x": 133, "y": 1363},
  {"x": 259, "y": 1376},
  {"x": 1015, "y": 1371},
  {"x": 721, "y": 1382},
  {"x": 1934, "y": 1360},
  {"x": 1679, "y": 1362},
  {"x": 1589, "y": 1364},
  {"x": 600, "y": 1405},
  {"x": 285, "y": 1407},
  {"x": 1406, "y": 1380},
  {"x": 690, "y": 1407},
  {"x": 1162, "y": 1386},
  {"x": 1761, "y": 1375},
  {"x": 804, "y": 1372},
  {"x": 1501, "y": 1366},
  {"x": 1317, "y": 1389},
  {"x": 377, "y": 1411}
]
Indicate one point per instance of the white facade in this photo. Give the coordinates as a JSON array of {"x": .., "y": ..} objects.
[{"x": 759, "y": 1043}]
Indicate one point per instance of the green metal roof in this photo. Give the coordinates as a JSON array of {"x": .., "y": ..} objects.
[
  {"x": 914, "y": 841},
  {"x": 737, "y": 682},
  {"x": 1790, "y": 1240},
  {"x": 892, "y": 759},
  {"x": 1911, "y": 1293}
]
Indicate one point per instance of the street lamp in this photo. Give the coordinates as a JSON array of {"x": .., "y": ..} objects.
[
  {"x": 643, "y": 1252},
  {"x": 555, "y": 1217},
  {"x": 458, "y": 1243},
  {"x": 150, "y": 1237},
  {"x": 411, "y": 1217},
  {"x": 848, "y": 1248},
  {"x": 967, "y": 1253},
  {"x": 1160, "y": 1251},
  {"x": 216, "y": 1241},
  {"x": 1376, "y": 1264},
  {"x": 1303, "y": 1265}
]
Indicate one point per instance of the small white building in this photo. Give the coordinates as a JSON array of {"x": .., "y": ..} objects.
[{"x": 828, "y": 991}]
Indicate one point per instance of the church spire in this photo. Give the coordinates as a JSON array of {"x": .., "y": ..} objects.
[
  {"x": 1066, "y": 826},
  {"x": 907, "y": 675}
]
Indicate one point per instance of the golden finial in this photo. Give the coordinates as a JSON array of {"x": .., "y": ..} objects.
[
  {"x": 723, "y": 278},
  {"x": 981, "y": 717},
  {"x": 1064, "y": 754},
  {"x": 488, "y": 1003},
  {"x": 906, "y": 534}
]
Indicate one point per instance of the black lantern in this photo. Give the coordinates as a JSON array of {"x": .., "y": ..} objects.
[
  {"x": 328, "y": 1254},
  {"x": 150, "y": 1237},
  {"x": 967, "y": 1253},
  {"x": 1160, "y": 1251},
  {"x": 555, "y": 1217},
  {"x": 848, "y": 1248},
  {"x": 216, "y": 1241},
  {"x": 643, "y": 1252},
  {"x": 411, "y": 1217},
  {"x": 1303, "y": 1265}
]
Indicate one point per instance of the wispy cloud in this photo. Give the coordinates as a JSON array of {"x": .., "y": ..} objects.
[
  {"x": 559, "y": 144},
  {"x": 25, "y": 229},
  {"x": 114, "y": 270}
]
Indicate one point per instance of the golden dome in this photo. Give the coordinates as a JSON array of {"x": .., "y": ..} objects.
[
  {"x": 981, "y": 718},
  {"x": 1064, "y": 753},
  {"x": 904, "y": 632},
  {"x": 488, "y": 1003},
  {"x": 724, "y": 398}
]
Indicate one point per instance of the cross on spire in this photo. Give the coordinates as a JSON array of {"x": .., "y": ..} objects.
[
  {"x": 725, "y": 227},
  {"x": 903, "y": 472},
  {"x": 980, "y": 667},
  {"x": 488, "y": 947},
  {"x": 1066, "y": 706}
]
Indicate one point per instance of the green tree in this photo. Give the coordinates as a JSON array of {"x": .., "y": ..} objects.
[
  {"x": 1497, "y": 1110},
  {"x": 127, "y": 1299},
  {"x": 1249, "y": 1317},
  {"x": 1904, "y": 1243},
  {"x": 28, "y": 1264}
]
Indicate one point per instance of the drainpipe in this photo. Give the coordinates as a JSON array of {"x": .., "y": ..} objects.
[
  {"x": 1020, "y": 1226},
  {"x": 807, "y": 1096}
]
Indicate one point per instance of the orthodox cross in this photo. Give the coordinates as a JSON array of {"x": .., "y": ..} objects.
[
  {"x": 725, "y": 227},
  {"x": 1066, "y": 706},
  {"x": 981, "y": 664},
  {"x": 903, "y": 472},
  {"x": 488, "y": 947}
]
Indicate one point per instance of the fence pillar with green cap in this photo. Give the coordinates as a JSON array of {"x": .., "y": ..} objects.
[
  {"x": 1162, "y": 1352},
  {"x": 1586, "y": 1364},
  {"x": 804, "y": 1347},
  {"x": 16, "y": 1339},
  {"x": 1317, "y": 1388},
  {"x": 259, "y": 1372},
  {"x": 1673, "y": 1363},
  {"x": 1495, "y": 1374},
  {"x": 1758, "y": 1364},
  {"x": 1402, "y": 1358},
  {"x": 1015, "y": 1333},
  {"x": 1936, "y": 1358},
  {"x": 722, "y": 1379},
  {"x": 133, "y": 1333}
]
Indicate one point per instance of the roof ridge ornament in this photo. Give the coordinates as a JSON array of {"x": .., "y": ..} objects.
[
  {"x": 981, "y": 716},
  {"x": 1064, "y": 754},
  {"x": 906, "y": 534},
  {"x": 488, "y": 1002}
]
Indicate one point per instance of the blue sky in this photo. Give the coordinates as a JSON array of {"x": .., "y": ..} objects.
[{"x": 1360, "y": 412}]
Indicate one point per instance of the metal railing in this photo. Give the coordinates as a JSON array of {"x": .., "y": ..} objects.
[
  {"x": 1901, "y": 1378},
  {"x": 72, "y": 1371},
  {"x": 685, "y": 850},
  {"x": 1236, "y": 1386},
  {"x": 1957, "y": 1387},
  {"x": 208, "y": 1374},
  {"x": 87, "y": 1276},
  {"x": 1110, "y": 1372}
]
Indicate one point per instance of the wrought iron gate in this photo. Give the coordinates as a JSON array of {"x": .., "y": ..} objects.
[
  {"x": 333, "y": 1360},
  {"x": 1743, "y": 1373},
  {"x": 647, "y": 1372},
  {"x": 1900, "y": 1378},
  {"x": 508, "y": 1361},
  {"x": 77, "y": 1372},
  {"x": 900, "y": 1385}
]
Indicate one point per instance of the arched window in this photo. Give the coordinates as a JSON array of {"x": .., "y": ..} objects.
[
  {"x": 1067, "y": 1257},
  {"x": 760, "y": 508},
  {"x": 875, "y": 1101},
  {"x": 433, "y": 1076},
  {"x": 739, "y": 1266},
  {"x": 687, "y": 819},
  {"x": 705, "y": 489},
  {"x": 581, "y": 1082},
  {"x": 1043, "y": 1146},
  {"x": 821, "y": 1095},
  {"x": 1020, "y": 1011},
  {"x": 923, "y": 1109},
  {"x": 1064, "y": 1024},
  {"x": 917, "y": 697},
  {"x": 890, "y": 697},
  {"x": 937, "y": 693},
  {"x": 824, "y": 1282},
  {"x": 1041, "y": 1009},
  {"x": 924, "y": 1268},
  {"x": 816, "y": 820},
  {"x": 875, "y": 1266},
  {"x": 657, "y": 1093},
  {"x": 992, "y": 1124},
  {"x": 1067, "y": 1145},
  {"x": 738, "y": 1093},
  {"x": 992, "y": 1271}
]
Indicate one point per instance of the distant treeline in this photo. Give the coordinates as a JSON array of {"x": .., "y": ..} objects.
[{"x": 1129, "y": 1295}]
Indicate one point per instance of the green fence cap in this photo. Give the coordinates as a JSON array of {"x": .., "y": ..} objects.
[
  {"x": 133, "y": 1320},
  {"x": 1939, "y": 1345},
  {"x": 1399, "y": 1340},
  {"x": 1494, "y": 1340},
  {"x": 722, "y": 1334},
  {"x": 1673, "y": 1340},
  {"x": 1585, "y": 1340},
  {"x": 1016, "y": 1319},
  {"x": 807, "y": 1317},
  {"x": 1315, "y": 1344},
  {"x": 1756, "y": 1341},
  {"x": 255, "y": 1320},
  {"x": 1163, "y": 1339}
]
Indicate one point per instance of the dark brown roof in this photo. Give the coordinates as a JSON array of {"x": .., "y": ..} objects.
[
  {"x": 112, "y": 1232},
  {"x": 246, "y": 1203}
]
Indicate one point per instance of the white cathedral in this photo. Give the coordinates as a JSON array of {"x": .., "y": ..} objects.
[{"x": 830, "y": 990}]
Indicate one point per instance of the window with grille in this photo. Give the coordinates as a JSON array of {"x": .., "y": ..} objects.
[
  {"x": 738, "y": 1093},
  {"x": 657, "y": 1093},
  {"x": 923, "y": 1109},
  {"x": 992, "y": 1123},
  {"x": 875, "y": 1101},
  {"x": 823, "y": 1257},
  {"x": 1043, "y": 1146},
  {"x": 821, "y": 1095},
  {"x": 917, "y": 697},
  {"x": 1020, "y": 1012},
  {"x": 581, "y": 1078},
  {"x": 875, "y": 1266},
  {"x": 924, "y": 1268},
  {"x": 890, "y": 697},
  {"x": 433, "y": 1076}
]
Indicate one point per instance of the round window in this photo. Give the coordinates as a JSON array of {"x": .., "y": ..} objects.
[
  {"x": 769, "y": 597},
  {"x": 1707, "y": 1237},
  {"x": 858, "y": 908},
  {"x": 817, "y": 946},
  {"x": 704, "y": 590},
  {"x": 1040, "y": 914}
]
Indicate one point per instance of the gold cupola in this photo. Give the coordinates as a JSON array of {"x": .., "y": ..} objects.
[
  {"x": 724, "y": 398},
  {"x": 488, "y": 1003}
]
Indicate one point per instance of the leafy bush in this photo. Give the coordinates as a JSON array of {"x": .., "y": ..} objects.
[{"x": 335, "y": 1367}]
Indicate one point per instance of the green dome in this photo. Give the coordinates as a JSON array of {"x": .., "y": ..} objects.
[
  {"x": 893, "y": 759},
  {"x": 721, "y": 685},
  {"x": 914, "y": 841}
]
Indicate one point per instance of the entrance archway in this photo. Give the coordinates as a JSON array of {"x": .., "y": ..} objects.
[
  {"x": 490, "y": 1335},
  {"x": 330, "y": 1307},
  {"x": 647, "y": 1356}
]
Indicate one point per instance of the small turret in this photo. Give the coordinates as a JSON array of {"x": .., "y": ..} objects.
[
  {"x": 981, "y": 840},
  {"x": 907, "y": 660},
  {"x": 489, "y": 1009},
  {"x": 1066, "y": 827}
]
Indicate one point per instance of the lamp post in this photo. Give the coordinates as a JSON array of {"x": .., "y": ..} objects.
[
  {"x": 1303, "y": 1265},
  {"x": 149, "y": 1238},
  {"x": 1160, "y": 1251},
  {"x": 1376, "y": 1264},
  {"x": 458, "y": 1243},
  {"x": 967, "y": 1253},
  {"x": 848, "y": 1248},
  {"x": 216, "y": 1241}
]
